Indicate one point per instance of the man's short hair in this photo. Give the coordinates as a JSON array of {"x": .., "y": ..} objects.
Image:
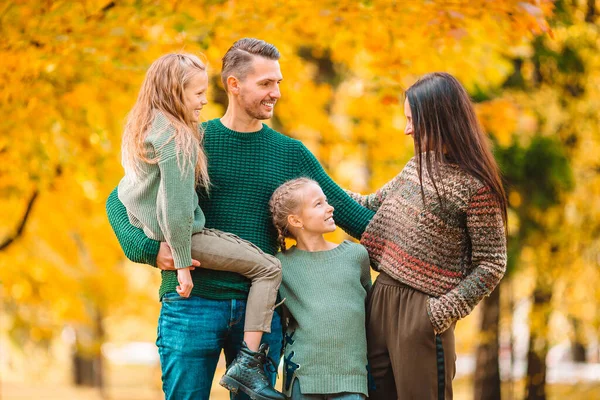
[{"x": 238, "y": 59}]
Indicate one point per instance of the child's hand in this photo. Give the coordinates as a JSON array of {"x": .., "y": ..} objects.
[{"x": 185, "y": 282}]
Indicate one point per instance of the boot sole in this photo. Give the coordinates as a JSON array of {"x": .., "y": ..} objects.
[{"x": 234, "y": 386}]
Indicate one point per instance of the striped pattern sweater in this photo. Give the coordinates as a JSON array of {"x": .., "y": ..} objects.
[{"x": 456, "y": 254}]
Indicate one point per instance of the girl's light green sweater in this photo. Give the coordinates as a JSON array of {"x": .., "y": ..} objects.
[
  {"x": 325, "y": 343},
  {"x": 162, "y": 200}
]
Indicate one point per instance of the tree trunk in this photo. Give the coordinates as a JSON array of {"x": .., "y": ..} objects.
[
  {"x": 578, "y": 350},
  {"x": 87, "y": 358},
  {"x": 538, "y": 343},
  {"x": 590, "y": 14},
  {"x": 87, "y": 370},
  {"x": 487, "y": 370}
]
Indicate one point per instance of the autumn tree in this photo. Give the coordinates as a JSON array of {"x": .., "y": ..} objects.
[
  {"x": 71, "y": 71},
  {"x": 549, "y": 130}
]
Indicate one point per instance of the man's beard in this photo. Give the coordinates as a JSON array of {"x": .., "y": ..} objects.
[{"x": 254, "y": 110}]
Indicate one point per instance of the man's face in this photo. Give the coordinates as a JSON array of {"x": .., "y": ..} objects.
[{"x": 259, "y": 91}]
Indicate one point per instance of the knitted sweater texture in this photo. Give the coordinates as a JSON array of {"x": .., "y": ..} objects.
[
  {"x": 245, "y": 169},
  {"x": 163, "y": 200},
  {"x": 325, "y": 291},
  {"x": 456, "y": 254}
]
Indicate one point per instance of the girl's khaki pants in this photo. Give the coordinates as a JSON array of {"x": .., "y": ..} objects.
[{"x": 224, "y": 251}]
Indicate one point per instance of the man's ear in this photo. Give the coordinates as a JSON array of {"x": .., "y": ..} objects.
[
  {"x": 295, "y": 221},
  {"x": 233, "y": 84}
]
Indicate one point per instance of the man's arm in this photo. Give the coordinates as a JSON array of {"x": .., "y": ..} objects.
[
  {"x": 135, "y": 244},
  {"x": 348, "y": 214}
]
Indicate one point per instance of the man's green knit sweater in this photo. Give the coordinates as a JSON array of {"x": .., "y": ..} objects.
[
  {"x": 245, "y": 169},
  {"x": 326, "y": 342}
]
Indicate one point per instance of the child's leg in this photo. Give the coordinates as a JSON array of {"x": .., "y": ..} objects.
[
  {"x": 252, "y": 339},
  {"x": 226, "y": 252}
]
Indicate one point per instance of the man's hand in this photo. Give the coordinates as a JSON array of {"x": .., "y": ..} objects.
[
  {"x": 164, "y": 259},
  {"x": 185, "y": 282}
]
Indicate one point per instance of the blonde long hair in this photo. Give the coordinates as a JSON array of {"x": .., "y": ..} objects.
[{"x": 163, "y": 91}]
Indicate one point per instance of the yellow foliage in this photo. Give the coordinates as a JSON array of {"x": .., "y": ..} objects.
[
  {"x": 499, "y": 117},
  {"x": 70, "y": 71}
]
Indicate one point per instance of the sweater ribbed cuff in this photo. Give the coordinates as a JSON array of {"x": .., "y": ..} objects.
[
  {"x": 440, "y": 315},
  {"x": 150, "y": 252},
  {"x": 182, "y": 256}
]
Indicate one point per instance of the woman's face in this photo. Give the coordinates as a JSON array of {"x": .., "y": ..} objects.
[{"x": 408, "y": 129}]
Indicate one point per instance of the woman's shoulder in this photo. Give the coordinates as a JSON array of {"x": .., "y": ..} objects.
[
  {"x": 456, "y": 176},
  {"x": 474, "y": 184}
]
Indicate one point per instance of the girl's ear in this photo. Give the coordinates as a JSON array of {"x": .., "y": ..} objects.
[
  {"x": 233, "y": 84},
  {"x": 295, "y": 221}
]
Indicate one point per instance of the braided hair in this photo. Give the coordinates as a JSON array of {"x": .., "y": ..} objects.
[{"x": 284, "y": 202}]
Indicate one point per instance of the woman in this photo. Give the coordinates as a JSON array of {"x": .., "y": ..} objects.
[{"x": 438, "y": 239}]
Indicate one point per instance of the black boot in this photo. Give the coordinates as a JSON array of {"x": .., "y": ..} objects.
[{"x": 246, "y": 373}]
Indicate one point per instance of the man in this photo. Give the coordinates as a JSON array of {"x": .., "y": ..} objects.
[{"x": 247, "y": 161}]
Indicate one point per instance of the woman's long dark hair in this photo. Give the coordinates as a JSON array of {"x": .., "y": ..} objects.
[{"x": 445, "y": 127}]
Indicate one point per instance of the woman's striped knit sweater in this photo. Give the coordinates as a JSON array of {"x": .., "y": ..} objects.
[{"x": 456, "y": 254}]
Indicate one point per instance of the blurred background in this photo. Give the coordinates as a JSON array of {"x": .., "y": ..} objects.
[{"x": 78, "y": 321}]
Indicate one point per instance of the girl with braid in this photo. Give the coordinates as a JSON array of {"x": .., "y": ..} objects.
[
  {"x": 438, "y": 240},
  {"x": 164, "y": 163},
  {"x": 325, "y": 286}
]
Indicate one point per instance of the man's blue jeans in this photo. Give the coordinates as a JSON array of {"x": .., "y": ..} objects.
[{"x": 191, "y": 334}]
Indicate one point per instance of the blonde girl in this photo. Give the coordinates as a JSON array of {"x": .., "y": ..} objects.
[
  {"x": 325, "y": 286},
  {"x": 164, "y": 163}
]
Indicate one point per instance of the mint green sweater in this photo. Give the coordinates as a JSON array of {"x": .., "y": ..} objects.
[
  {"x": 326, "y": 343},
  {"x": 161, "y": 199},
  {"x": 245, "y": 169}
]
